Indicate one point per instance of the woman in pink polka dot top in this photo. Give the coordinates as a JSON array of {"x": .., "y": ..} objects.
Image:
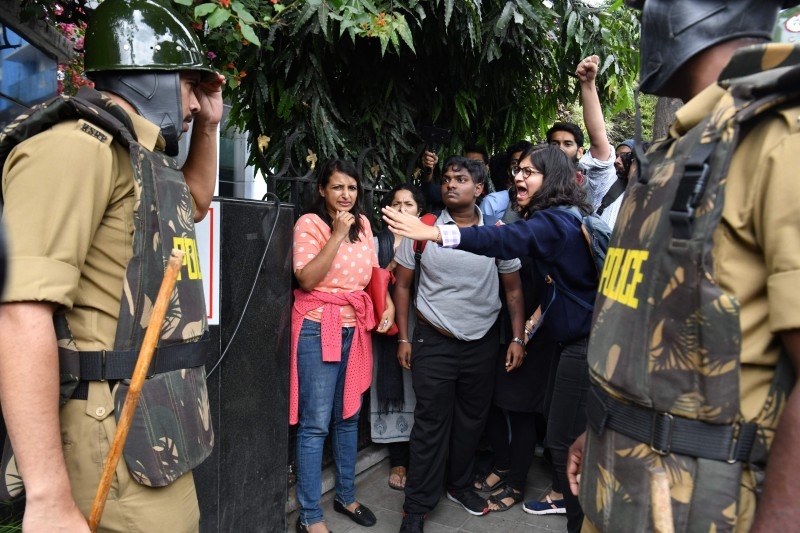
[{"x": 331, "y": 364}]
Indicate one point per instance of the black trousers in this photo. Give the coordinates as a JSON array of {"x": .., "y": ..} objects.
[
  {"x": 398, "y": 453},
  {"x": 453, "y": 382},
  {"x": 513, "y": 438},
  {"x": 567, "y": 419}
]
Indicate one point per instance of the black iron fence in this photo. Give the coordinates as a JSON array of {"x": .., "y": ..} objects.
[{"x": 296, "y": 184}]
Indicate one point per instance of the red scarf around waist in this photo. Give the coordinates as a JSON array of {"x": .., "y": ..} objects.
[{"x": 359, "y": 367}]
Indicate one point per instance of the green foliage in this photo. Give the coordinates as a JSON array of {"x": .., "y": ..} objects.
[
  {"x": 622, "y": 125},
  {"x": 11, "y": 515},
  {"x": 356, "y": 74}
]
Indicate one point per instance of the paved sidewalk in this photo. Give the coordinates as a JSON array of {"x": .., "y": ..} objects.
[{"x": 373, "y": 491}]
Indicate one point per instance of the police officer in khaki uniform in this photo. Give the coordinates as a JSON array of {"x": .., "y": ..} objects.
[
  {"x": 697, "y": 334},
  {"x": 69, "y": 204}
]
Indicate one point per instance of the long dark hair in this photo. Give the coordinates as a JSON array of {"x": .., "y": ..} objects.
[
  {"x": 559, "y": 183},
  {"x": 318, "y": 206}
]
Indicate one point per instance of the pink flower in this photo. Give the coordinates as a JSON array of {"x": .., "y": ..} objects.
[{"x": 211, "y": 56}]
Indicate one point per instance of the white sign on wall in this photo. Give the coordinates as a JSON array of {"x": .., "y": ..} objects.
[{"x": 207, "y": 232}]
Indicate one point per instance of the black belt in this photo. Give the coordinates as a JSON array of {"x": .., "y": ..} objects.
[
  {"x": 438, "y": 330},
  {"x": 110, "y": 365},
  {"x": 667, "y": 433}
]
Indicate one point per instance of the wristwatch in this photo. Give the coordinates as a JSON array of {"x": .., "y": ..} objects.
[{"x": 518, "y": 341}]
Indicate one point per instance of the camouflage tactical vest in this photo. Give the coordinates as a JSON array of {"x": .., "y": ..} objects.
[
  {"x": 171, "y": 432},
  {"x": 665, "y": 336}
]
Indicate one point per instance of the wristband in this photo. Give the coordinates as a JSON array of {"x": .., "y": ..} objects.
[
  {"x": 406, "y": 341},
  {"x": 518, "y": 341}
]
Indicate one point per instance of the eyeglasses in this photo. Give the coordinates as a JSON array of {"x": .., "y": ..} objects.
[{"x": 527, "y": 172}]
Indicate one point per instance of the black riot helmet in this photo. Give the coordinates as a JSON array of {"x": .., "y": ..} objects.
[
  {"x": 136, "y": 50},
  {"x": 674, "y": 31}
]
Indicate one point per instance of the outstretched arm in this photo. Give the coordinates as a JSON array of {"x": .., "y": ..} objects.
[
  {"x": 409, "y": 226},
  {"x": 592, "y": 112},
  {"x": 200, "y": 169}
]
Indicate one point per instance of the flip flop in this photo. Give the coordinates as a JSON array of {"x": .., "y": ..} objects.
[{"x": 397, "y": 478}]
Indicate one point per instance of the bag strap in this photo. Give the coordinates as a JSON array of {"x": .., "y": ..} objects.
[
  {"x": 611, "y": 195},
  {"x": 419, "y": 247},
  {"x": 575, "y": 212}
]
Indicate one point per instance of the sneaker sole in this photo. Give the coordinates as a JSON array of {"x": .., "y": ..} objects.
[
  {"x": 559, "y": 510},
  {"x": 467, "y": 509}
]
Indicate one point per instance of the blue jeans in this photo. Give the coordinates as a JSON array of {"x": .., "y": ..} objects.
[{"x": 321, "y": 388}]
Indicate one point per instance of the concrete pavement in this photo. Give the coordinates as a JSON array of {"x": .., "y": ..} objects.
[{"x": 373, "y": 491}]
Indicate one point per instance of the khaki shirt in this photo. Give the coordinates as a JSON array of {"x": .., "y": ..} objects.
[
  {"x": 757, "y": 244},
  {"x": 69, "y": 204}
]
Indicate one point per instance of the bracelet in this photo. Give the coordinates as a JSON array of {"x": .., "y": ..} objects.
[
  {"x": 403, "y": 340},
  {"x": 518, "y": 341},
  {"x": 438, "y": 236}
]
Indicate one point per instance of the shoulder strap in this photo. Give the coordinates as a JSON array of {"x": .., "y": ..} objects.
[
  {"x": 429, "y": 219},
  {"x": 752, "y": 96},
  {"x": 419, "y": 247},
  {"x": 575, "y": 212},
  {"x": 613, "y": 193},
  {"x": 87, "y": 104}
]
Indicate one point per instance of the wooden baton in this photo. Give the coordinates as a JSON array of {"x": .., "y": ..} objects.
[
  {"x": 149, "y": 343},
  {"x": 661, "y": 501}
]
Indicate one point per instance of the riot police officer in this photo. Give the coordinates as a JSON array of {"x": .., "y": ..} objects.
[
  {"x": 693, "y": 349},
  {"x": 93, "y": 204}
]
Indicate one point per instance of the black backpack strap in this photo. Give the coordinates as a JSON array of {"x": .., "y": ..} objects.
[{"x": 612, "y": 194}]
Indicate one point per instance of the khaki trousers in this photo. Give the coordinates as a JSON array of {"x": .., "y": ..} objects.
[{"x": 87, "y": 430}]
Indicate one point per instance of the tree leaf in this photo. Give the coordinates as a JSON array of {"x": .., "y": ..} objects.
[
  {"x": 448, "y": 12},
  {"x": 405, "y": 32},
  {"x": 504, "y": 18},
  {"x": 243, "y": 13},
  {"x": 250, "y": 34},
  {"x": 218, "y": 17},
  {"x": 606, "y": 63},
  {"x": 322, "y": 14},
  {"x": 204, "y": 9}
]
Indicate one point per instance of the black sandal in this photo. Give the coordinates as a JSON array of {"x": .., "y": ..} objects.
[
  {"x": 482, "y": 486},
  {"x": 507, "y": 492}
]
